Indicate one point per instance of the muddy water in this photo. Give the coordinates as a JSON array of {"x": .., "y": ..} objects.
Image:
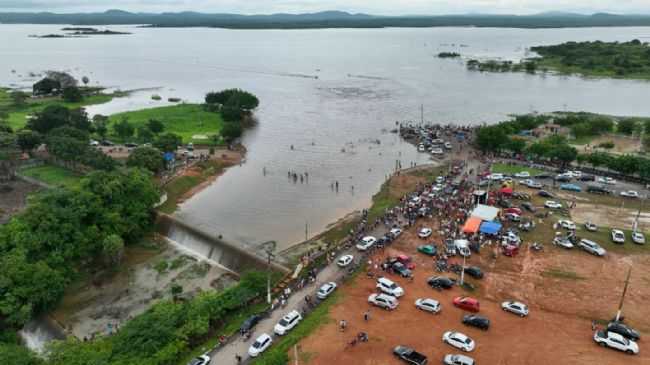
[{"x": 332, "y": 94}]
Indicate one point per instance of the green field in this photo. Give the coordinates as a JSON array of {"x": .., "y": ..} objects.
[
  {"x": 185, "y": 120},
  {"x": 510, "y": 170},
  {"x": 52, "y": 175},
  {"x": 18, "y": 115}
]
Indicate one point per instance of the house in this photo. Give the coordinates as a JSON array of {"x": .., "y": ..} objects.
[{"x": 550, "y": 129}]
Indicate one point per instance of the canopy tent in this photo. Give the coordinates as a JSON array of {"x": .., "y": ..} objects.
[
  {"x": 485, "y": 212},
  {"x": 490, "y": 227},
  {"x": 506, "y": 191},
  {"x": 472, "y": 225}
]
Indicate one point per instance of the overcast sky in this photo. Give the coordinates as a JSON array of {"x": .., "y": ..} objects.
[{"x": 380, "y": 7}]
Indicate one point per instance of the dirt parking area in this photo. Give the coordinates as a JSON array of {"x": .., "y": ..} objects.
[{"x": 565, "y": 291}]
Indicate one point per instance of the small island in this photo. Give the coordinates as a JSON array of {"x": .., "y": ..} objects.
[
  {"x": 623, "y": 60},
  {"x": 79, "y": 32},
  {"x": 448, "y": 55}
]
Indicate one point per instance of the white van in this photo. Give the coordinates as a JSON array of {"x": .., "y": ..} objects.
[
  {"x": 389, "y": 287},
  {"x": 462, "y": 247}
]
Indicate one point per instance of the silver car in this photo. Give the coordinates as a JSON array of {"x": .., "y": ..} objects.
[
  {"x": 591, "y": 247},
  {"x": 458, "y": 360}
]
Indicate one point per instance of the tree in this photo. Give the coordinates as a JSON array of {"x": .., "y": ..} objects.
[
  {"x": 19, "y": 98},
  {"x": 515, "y": 145},
  {"x": 627, "y": 126},
  {"x": 51, "y": 117},
  {"x": 155, "y": 126},
  {"x": 646, "y": 142},
  {"x": 17, "y": 355},
  {"x": 113, "y": 250},
  {"x": 124, "y": 129},
  {"x": 145, "y": 134},
  {"x": 146, "y": 158},
  {"x": 563, "y": 153},
  {"x": 231, "y": 113},
  {"x": 46, "y": 86},
  {"x": 231, "y": 131},
  {"x": 236, "y": 97},
  {"x": 581, "y": 130},
  {"x": 28, "y": 140},
  {"x": 72, "y": 95},
  {"x": 491, "y": 139},
  {"x": 538, "y": 149},
  {"x": 168, "y": 142},
  {"x": 100, "y": 124}
]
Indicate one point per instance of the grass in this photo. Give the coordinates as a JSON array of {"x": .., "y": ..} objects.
[
  {"x": 179, "y": 186},
  {"x": 53, "y": 175},
  {"x": 18, "y": 115},
  {"x": 185, "y": 120},
  {"x": 500, "y": 168}
]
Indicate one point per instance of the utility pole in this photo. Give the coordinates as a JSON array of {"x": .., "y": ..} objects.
[
  {"x": 638, "y": 215},
  {"x": 620, "y": 305},
  {"x": 269, "y": 247},
  {"x": 462, "y": 272},
  {"x": 422, "y": 114},
  {"x": 306, "y": 230}
]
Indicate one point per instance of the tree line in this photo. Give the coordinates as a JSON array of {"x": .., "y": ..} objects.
[{"x": 236, "y": 108}]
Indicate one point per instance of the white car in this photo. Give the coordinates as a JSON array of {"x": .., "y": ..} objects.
[
  {"x": 458, "y": 359},
  {"x": 438, "y": 188},
  {"x": 325, "y": 290},
  {"x": 606, "y": 180},
  {"x": 575, "y": 173},
  {"x": 289, "y": 321},
  {"x": 495, "y": 177},
  {"x": 551, "y": 204},
  {"x": 459, "y": 341},
  {"x": 591, "y": 227},
  {"x": 425, "y": 232},
  {"x": 638, "y": 237},
  {"x": 389, "y": 287},
  {"x": 421, "y": 148},
  {"x": 366, "y": 243},
  {"x": 563, "y": 242},
  {"x": 630, "y": 194},
  {"x": 448, "y": 145},
  {"x": 517, "y": 308},
  {"x": 260, "y": 345},
  {"x": 440, "y": 179},
  {"x": 591, "y": 247},
  {"x": 345, "y": 260},
  {"x": 567, "y": 224},
  {"x": 385, "y": 301},
  {"x": 616, "y": 341},
  {"x": 395, "y": 232},
  {"x": 618, "y": 236},
  {"x": 437, "y": 151},
  {"x": 201, "y": 360},
  {"x": 428, "y": 305},
  {"x": 522, "y": 174}
]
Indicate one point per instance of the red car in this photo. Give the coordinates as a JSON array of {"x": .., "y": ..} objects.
[
  {"x": 467, "y": 303},
  {"x": 406, "y": 261},
  {"x": 516, "y": 211}
]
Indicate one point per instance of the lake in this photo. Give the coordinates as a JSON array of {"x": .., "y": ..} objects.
[{"x": 333, "y": 95}]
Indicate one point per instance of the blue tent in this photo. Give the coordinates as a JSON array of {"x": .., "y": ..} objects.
[{"x": 490, "y": 227}]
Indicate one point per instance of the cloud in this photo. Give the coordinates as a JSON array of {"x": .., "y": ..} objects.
[{"x": 386, "y": 7}]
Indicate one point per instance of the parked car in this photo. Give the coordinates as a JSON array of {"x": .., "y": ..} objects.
[
  {"x": 366, "y": 243},
  {"x": 586, "y": 177},
  {"x": 563, "y": 178},
  {"x": 563, "y": 242},
  {"x": 623, "y": 330},
  {"x": 596, "y": 189},
  {"x": 260, "y": 345},
  {"x": 289, "y": 321},
  {"x": 551, "y": 204},
  {"x": 543, "y": 176},
  {"x": 409, "y": 355},
  {"x": 250, "y": 323},
  {"x": 389, "y": 287},
  {"x": 325, "y": 290},
  {"x": 567, "y": 224},
  {"x": 571, "y": 187},
  {"x": 630, "y": 194},
  {"x": 517, "y": 308},
  {"x": 406, "y": 260},
  {"x": 425, "y": 232},
  {"x": 395, "y": 232},
  {"x": 544, "y": 194},
  {"x": 201, "y": 360},
  {"x": 513, "y": 217},
  {"x": 514, "y": 210},
  {"x": 529, "y": 207},
  {"x": 522, "y": 174},
  {"x": 638, "y": 237},
  {"x": 384, "y": 301},
  {"x": 429, "y": 250},
  {"x": 401, "y": 269},
  {"x": 441, "y": 282},
  {"x": 467, "y": 303},
  {"x": 345, "y": 260},
  {"x": 591, "y": 247},
  {"x": 428, "y": 305},
  {"x": 616, "y": 341},
  {"x": 606, "y": 180},
  {"x": 458, "y": 340},
  {"x": 495, "y": 177},
  {"x": 618, "y": 236},
  {"x": 591, "y": 227},
  {"x": 534, "y": 184},
  {"x": 457, "y": 359},
  {"x": 477, "y": 321},
  {"x": 474, "y": 271}
]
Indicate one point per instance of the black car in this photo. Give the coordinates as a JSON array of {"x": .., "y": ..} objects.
[
  {"x": 441, "y": 282},
  {"x": 543, "y": 176},
  {"x": 528, "y": 206},
  {"x": 587, "y": 178},
  {"x": 477, "y": 321},
  {"x": 474, "y": 272},
  {"x": 623, "y": 330},
  {"x": 544, "y": 194},
  {"x": 563, "y": 178},
  {"x": 503, "y": 203},
  {"x": 595, "y": 189},
  {"x": 248, "y": 324},
  {"x": 402, "y": 270}
]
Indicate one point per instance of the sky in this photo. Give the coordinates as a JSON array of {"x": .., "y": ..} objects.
[{"x": 377, "y": 7}]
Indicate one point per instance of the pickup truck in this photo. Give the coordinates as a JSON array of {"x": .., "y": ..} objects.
[{"x": 409, "y": 355}]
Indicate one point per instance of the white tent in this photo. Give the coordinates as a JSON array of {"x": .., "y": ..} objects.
[{"x": 485, "y": 212}]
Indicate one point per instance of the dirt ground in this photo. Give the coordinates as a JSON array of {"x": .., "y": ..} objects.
[
  {"x": 13, "y": 198},
  {"x": 146, "y": 276},
  {"x": 622, "y": 144},
  {"x": 565, "y": 291}
]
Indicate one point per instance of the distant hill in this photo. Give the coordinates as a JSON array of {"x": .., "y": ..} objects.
[{"x": 327, "y": 19}]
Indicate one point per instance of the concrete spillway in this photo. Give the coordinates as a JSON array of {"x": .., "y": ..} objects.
[{"x": 228, "y": 255}]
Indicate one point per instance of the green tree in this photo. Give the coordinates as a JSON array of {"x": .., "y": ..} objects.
[
  {"x": 168, "y": 142},
  {"x": 563, "y": 153},
  {"x": 646, "y": 142},
  {"x": 491, "y": 138},
  {"x": 19, "y": 98},
  {"x": 146, "y": 158},
  {"x": 145, "y": 134},
  {"x": 124, "y": 129},
  {"x": 51, "y": 117},
  {"x": 17, "y": 355},
  {"x": 113, "y": 250},
  {"x": 72, "y": 95},
  {"x": 627, "y": 126},
  {"x": 155, "y": 126},
  {"x": 231, "y": 131},
  {"x": 28, "y": 140},
  {"x": 516, "y": 145},
  {"x": 100, "y": 124}
]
